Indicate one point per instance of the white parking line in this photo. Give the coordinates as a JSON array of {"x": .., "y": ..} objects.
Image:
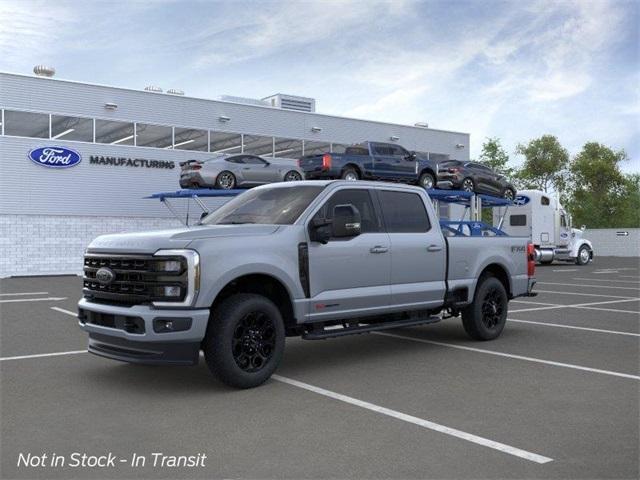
[
  {"x": 583, "y": 285},
  {"x": 599, "y": 330},
  {"x": 628, "y": 276},
  {"x": 40, "y": 355},
  {"x": 607, "y": 280},
  {"x": 535, "y": 303},
  {"x": 510, "y": 355},
  {"x": 615, "y": 310},
  {"x": 48, "y": 299},
  {"x": 583, "y": 294},
  {"x": 567, "y": 270},
  {"x": 22, "y": 293},
  {"x": 62, "y": 310},
  {"x": 582, "y": 305},
  {"x": 485, "y": 442}
]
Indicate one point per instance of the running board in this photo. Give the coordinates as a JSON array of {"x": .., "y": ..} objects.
[{"x": 332, "y": 331}]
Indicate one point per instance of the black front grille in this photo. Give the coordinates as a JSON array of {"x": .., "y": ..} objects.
[{"x": 137, "y": 279}]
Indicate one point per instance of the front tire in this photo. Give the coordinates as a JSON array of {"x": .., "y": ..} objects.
[
  {"x": 468, "y": 185},
  {"x": 245, "y": 340},
  {"x": 427, "y": 181},
  {"x": 584, "y": 255},
  {"x": 225, "y": 180},
  {"x": 292, "y": 176},
  {"x": 486, "y": 317}
]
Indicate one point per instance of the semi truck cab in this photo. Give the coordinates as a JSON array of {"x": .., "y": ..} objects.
[{"x": 541, "y": 217}]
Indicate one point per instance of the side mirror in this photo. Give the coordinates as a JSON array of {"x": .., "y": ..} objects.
[
  {"x": 320, "y": 230},
  {"x": 346, "y": 221},
  {"x": 203, "y": 215},
  {"x": 411, "y": 156}
]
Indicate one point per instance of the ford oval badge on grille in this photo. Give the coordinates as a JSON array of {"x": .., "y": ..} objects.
[
  {"x": 55, "y": 157},
  {"x": 105, "y": 276}
]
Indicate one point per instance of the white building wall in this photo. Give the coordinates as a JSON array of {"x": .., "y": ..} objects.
[
  {"x": 613, "y": 242},
  {"x": 54, "y": 244}
]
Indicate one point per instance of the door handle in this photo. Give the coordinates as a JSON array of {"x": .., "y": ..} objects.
[
  {"x": 246, "y": 168},
  {"x": 434, "y": 248},
  {"x": 379, "y": 249}
]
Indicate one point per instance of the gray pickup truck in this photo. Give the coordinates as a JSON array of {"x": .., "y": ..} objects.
[{"x": 315, "y": 259}]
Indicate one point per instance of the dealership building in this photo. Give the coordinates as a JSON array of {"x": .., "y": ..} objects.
[{"x": 127, "y": 144}]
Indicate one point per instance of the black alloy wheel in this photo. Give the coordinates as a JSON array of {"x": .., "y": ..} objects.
[
  {"x": 509, "y": 194},
  {"x": 254, "y": 341},
  {"x": 492, "y": 308}
]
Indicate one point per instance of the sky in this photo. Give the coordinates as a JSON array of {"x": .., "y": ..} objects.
[{"x": 513, "y": 70}]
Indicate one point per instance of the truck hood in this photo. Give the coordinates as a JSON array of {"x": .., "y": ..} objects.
[{"x": 150, "y": 242}]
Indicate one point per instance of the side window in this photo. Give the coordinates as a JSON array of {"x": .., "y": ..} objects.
[
  {"x": 398, "y": 151},
  {"x": 235, "y": 159},
  {"x": 253, "y": 160},
  {"x": 518, "y": 220},
  {"x": 359, "y": 198},
  {"x": 563, "y": 221},
  {"x": 544, "y": 201},
  {"x": 404, "y": 212},
  {"x": 382, "y": 150}
]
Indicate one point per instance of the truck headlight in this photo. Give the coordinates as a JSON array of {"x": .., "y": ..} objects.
[{"x": 171, "y": 293}]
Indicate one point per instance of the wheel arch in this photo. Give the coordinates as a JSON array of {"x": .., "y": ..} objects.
[
  {"x": 498, "y": 271},
  {"x": 355, "y": 166},
  {"x": 261, "y": 284}
]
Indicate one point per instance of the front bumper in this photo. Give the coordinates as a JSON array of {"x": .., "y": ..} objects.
[
  {"x": 139, "y": 334},
  {"x": 454, "y": 179}
]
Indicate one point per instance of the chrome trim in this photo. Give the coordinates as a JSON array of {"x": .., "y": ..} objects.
[{"x": 193, "y": 277}]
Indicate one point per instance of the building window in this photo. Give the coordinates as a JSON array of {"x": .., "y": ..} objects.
[
  {"x": 157, "y": 136},
  {"x": 316, "y": 148},
  {"x": 222, "y": 142},
  {"x": 287, "y": 148},
  {"x": 71, "y": 128},
  {"x": 191, "y": 139},
  {"x": 114, "y": 132},
  {"x": 258, "y": 145},
  {"x": 26, "y": 124}
]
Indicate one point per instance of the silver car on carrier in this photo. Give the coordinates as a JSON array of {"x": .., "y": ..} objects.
[{"x": 238, "y": 171}]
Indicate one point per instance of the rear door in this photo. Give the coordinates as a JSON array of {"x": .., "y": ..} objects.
[
  {"x": 350, "y": 276},
  {"x": 383, "y": 161},
  {"x": 403, "y": 166},
  {"x": 417, "y": 250}
]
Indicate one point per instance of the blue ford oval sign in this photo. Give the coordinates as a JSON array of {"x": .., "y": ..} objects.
[
  {"x": 55, "y": 157},
  {"x": 521, "y": 200}
]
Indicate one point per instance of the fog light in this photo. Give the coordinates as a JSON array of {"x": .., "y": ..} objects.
[
  {"x": 164, "y": 325},
  {"x": 171, "y": 291}
]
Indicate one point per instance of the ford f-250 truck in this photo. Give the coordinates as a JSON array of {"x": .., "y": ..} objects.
[
  {"x": 315, "y": 259},
  {"x": 372, "y": 161}
]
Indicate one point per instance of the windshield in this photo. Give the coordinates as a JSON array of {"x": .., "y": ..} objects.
[{"x": 271, "y": 206}]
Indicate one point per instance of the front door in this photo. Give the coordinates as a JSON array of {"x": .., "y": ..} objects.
[
  {"x": 256, "y": 170},
  {"x": 383, "y": 161},
  {"x": 350, "y": 276},
  {"x": 418, "y": 251}
]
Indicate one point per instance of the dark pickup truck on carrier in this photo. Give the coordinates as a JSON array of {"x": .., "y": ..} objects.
[{"x": 372, "y": 161}]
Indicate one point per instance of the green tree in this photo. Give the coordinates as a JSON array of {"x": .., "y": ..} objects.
[
  {"x": 494, "y": 156},
  {"x": 599, "y": 194},
  {"x": 545, "y": 164}
]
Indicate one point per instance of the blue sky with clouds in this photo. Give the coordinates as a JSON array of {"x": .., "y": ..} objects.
[{"x": 515, "y": 69}]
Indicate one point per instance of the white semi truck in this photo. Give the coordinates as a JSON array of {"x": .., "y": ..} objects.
[{"x": 539, "y": 216}]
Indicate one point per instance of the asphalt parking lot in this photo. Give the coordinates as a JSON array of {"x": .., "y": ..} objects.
[{"x": 557, "y": 396}]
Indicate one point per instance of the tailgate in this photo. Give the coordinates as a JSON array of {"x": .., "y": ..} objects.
[{"x": 310, "y": 163}]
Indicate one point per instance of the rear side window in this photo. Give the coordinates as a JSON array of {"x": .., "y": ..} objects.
[
  {"x": 544, "y": 201},
  {"x": 356, "y": 151},
  {"x": 404, "y": 212},
  {"x": 518, "y": 220}
]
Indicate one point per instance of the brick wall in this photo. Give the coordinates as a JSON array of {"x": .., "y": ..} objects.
[{"x": 51, "y": 244}]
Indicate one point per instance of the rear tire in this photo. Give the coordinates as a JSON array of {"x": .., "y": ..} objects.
[
  {"x": 427, "y": 181},
  {"x": 225, "y": 180},
  {"x": 350, "y": 173},
  {"x": 509, "y": 194},
  {"x": 292, "y": 176},
  {"x": 486, "y": 317},
  {"x": 546, "y": 262},
  {"x": 245, "y": 340}
]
